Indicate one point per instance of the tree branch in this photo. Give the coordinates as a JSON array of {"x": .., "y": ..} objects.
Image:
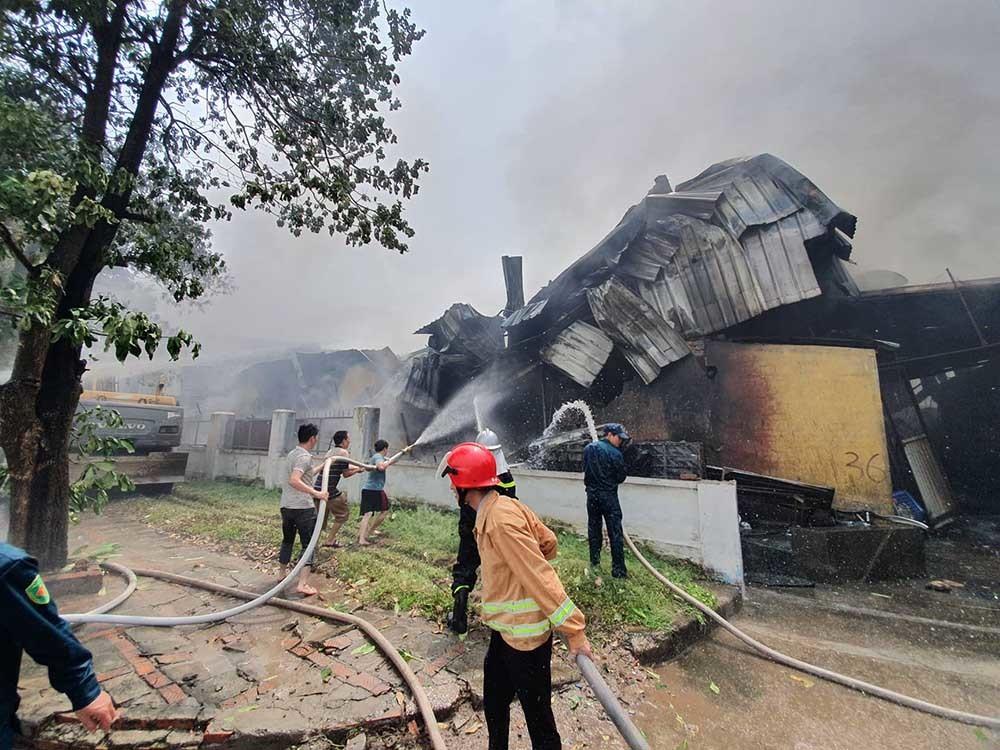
[{"x": 15, "y": 249}]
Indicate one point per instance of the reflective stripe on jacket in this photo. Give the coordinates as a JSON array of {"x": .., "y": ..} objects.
[{"x": 523, "y": 598}]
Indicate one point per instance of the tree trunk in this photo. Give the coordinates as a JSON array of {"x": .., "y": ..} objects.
[
  {"x": 36, "y": 442},
  {"x": 37, "y": 413}
]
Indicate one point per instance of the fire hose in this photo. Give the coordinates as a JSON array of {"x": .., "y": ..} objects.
[
  {"x": 826, "y": 674},
  {"x": 629, "y": 731},
  {"x": 601, "y": 690},
  {"x": 270, "y": 598}
]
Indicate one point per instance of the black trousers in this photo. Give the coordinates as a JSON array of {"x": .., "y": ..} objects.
[
  {"x": 507, "y": 673},
  {"x": 606, "y": 508},
  {"x": 294, "y": 521},
  {"x": 463, "y": 572}
]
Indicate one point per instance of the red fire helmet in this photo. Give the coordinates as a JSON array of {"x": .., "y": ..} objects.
[{"x": 471, "y": 466}]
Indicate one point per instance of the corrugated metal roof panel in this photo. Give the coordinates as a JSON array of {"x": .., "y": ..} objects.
[
  {"x": 934, "y": 488},
  {"x": 463, "y": 328},
  {"x": 708, "y": 284},
  {"x": 779, "y": 261},
  {"x": 647, "y": 340},
  {"x": 720, "y": 176},
  {"x": 524, "y": 314},
  {"x": 580, "y": 351},
  {"x": 752, "y": 200}
]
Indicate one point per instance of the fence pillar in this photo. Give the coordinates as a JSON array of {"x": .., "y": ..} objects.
[
  {"x": 366, "y": 419},
  {"x": 220, "y": 438},
  {"x": 281, "y": 440}
]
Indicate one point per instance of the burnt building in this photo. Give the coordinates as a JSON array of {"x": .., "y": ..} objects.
[{"x": 722, "y": 313}]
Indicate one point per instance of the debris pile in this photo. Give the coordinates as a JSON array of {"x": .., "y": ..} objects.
[{"x": 720, "y": 318}]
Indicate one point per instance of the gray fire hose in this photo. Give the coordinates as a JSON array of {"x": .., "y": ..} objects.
[
  {"x": 629, "y": 731},
  {"x": 98, "y": 615},
  {"x": 384, "y": 645},
  {"x": 826, "y": 674},
  {"x": 137, "y": 620}
]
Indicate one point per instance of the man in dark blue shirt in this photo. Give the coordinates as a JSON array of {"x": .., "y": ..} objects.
[
  {"x": 31, "y": 623},
  {"x": 603, "y": 471}
]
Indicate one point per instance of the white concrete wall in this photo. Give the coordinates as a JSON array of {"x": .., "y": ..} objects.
[
  {"x": 197, "y": 463},
  {"x": 696, "y": 521},
  {"x": 229, "y": 464}
]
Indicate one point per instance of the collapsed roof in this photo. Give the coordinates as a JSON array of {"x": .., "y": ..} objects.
[{"x": 743, "y": 237}]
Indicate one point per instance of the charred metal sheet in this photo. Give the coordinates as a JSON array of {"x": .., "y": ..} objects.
[
  {"x": 709, "y": 283},
  {"x": 421, "y": 385},
  {"x": 717, "y": 251},
  {"x": 580, "y": 351},
  {"x": 776, "y": 500},
  {"x": 513, "y": 279},
  {"x": 525, "y": 314},
  {"x": 753, "y": 200},
  {"x": 780, "y": 263},
  {"x": 463, "y": 330},
  {"x": 647, "y": 340}
]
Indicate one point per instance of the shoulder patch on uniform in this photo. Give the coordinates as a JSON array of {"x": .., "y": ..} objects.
[{"x": 37, "y": 592}]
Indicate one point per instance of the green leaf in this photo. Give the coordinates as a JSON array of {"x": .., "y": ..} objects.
[
  {"x": 713, "y": 687},
  {"x": 364, "y": 649},
  {"x": 326, "y": 673}
]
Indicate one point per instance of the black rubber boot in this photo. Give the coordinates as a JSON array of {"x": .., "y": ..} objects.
[{"x": 458, "y": 620}]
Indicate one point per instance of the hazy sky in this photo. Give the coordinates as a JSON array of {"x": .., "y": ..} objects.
[{"x": 543, "y": 122}]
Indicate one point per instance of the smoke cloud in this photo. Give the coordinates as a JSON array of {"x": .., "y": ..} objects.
[{"x": 543, "y": 122}]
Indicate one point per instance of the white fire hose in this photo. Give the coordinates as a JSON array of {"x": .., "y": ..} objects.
[
  {"x": 139, "y": 620},
  {"x": 616, "y": 713},
  {"x": 826, "y": 674},
  {"x": 388, "y": 649}
]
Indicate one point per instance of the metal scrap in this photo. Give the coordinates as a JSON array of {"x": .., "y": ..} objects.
[
  {"x": 646, "y": 339},
  {"x": 580, "y": 351}
]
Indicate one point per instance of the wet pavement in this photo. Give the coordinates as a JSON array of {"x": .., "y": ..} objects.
[
  {"x": 246, "y": 682},
  {"x": 271, "y": 678},
  {"x": 940, "y": 647}
]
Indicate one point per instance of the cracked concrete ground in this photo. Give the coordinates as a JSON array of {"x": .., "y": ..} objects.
[{"x": 271, "y": 678}]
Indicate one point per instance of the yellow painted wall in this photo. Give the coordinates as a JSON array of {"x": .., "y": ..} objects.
[{"x": 807, "y": 413}]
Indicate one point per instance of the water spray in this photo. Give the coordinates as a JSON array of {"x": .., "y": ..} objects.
[
  {"x": 580, "y": 406},
  {"x": 479, "y": 417}
]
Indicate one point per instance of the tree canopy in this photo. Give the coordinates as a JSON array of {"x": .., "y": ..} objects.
[{"x": 127, "y": 126}]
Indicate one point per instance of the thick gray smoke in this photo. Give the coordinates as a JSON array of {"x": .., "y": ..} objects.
[{"x": 543, "y": 122}]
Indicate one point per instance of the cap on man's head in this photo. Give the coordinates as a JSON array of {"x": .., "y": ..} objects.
[{"x": 614, "y": 428}]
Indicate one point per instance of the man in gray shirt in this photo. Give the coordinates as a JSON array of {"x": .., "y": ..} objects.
[{"x": 298, "y": 506}]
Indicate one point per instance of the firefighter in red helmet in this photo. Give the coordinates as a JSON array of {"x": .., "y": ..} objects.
[{"x": 523, "y": 600}]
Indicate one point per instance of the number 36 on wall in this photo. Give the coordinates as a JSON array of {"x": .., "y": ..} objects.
[{"x": 872, "y": 468}]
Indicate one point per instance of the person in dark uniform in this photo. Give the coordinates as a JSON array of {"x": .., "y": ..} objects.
[
  {"x": 464, "y": 571},
  {"x": 603, "y": 471},
  {"x": 31, "y": 623}
]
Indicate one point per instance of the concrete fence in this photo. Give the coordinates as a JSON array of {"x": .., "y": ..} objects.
[{"x": 693, "y": 520}]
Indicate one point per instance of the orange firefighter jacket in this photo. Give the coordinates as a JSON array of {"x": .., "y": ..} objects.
[{"x": 523, "y": 598}]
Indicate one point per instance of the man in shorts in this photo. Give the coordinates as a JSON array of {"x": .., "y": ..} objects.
[
  {"x": 298, "y": 504},
  {"x": 337, "y": 506},
  {"x": 374, "y": 501}
]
